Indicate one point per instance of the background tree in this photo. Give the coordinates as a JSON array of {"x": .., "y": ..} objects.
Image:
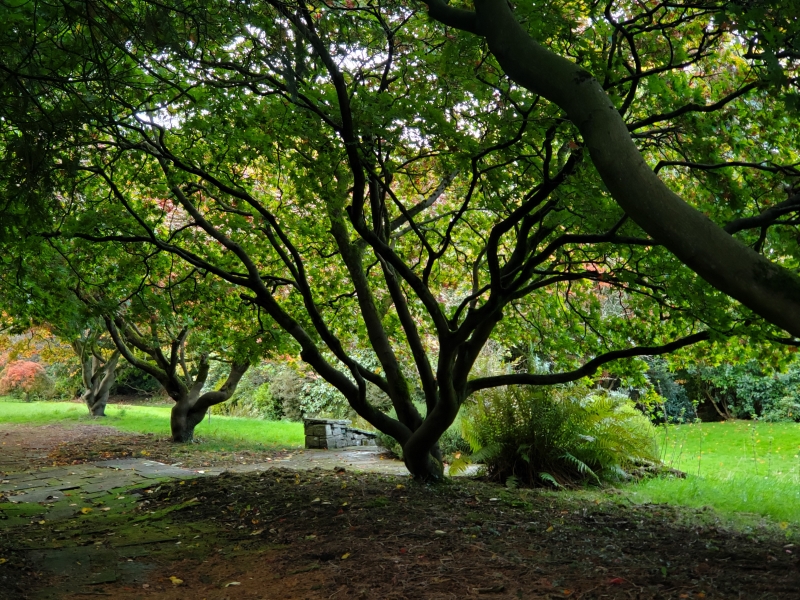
[
  {"x": 98, "y": 368},
  {"x": 35, "y": 291}
]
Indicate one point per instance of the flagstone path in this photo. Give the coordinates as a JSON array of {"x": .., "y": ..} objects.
[{"x": 51, "y": 484}]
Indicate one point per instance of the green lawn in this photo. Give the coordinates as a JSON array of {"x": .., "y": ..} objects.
[
  {"x": 155, "y": 419},
  {"x": 738, "y": 466}
]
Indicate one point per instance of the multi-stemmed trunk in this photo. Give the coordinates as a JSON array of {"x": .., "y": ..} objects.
[
  {"x": 191, "y": 407},
  {"x": 191, "y": 404},
  {"x": 99, "y": 384},
  {"x": 98, "y": 376}
]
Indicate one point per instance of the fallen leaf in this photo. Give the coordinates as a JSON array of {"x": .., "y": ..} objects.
[
  {"x": 42, "y": 522},
  {"x": 400, "y": 486},
  {"x": 616, "y": 581},
  {"x": 257, "y": 532},
  {"x": 345, "y": 556},
  {"x": 86, "y": 510},
  {"x": 105, "y": 509},
  {"x": 496, "y": 589},
  {"x": 175, "y": 580},
  {"x": 439, "y": 532},
  {"x": 3, "y": 560},
  {"x": 233, "y": 583},
  {"x": 549, "y": 529}
]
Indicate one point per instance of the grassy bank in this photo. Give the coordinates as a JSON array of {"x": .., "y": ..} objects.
[
  {"x": 735, "y": 467},
  {"x": 154, "y": 419}
]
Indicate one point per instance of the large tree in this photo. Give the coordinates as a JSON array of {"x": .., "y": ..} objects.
[{"x": 366, "y": 177}]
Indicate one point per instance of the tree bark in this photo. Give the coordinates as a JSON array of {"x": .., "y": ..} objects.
[
  {"x": 191, "y": 408},
  {"x": 768, "y": 289},
  {"x": 98, "y": 378}
]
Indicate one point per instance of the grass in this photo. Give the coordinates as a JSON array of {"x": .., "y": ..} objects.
[
  {"x": 735, "y": 467},
  {"x": 155, "y": 419}
]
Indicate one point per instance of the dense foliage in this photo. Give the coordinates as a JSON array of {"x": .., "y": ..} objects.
[
  {"x": 386, "y": 195},
  {"x": 747, "y": 391},
  {"x": 557, "y": 436},
  {"x": 25, "y": 379}
]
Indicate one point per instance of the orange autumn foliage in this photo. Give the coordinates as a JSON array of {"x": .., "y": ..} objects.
[{"x": 25, "y": 378}]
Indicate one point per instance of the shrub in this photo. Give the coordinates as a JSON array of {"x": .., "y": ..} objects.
[
  {"x": 748, "y": 391},
  {"x": 26, "y": 379},
  {"x": 253, "y": 397},
  {"x": 675, "y": 406},
  {"x": 535, "y": 436},
  {"x": 130, "y": 381},
  {"x": 67, "y": 380}
]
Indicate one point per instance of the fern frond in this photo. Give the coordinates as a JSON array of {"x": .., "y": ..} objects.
[{"x": 546, "y": 477}]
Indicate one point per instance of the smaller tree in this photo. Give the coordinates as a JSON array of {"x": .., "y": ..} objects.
[
  {"x": 98, "y": 370},
  {"x": 174, "y": 372}
]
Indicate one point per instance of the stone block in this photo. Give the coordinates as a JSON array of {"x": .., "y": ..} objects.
[{"x": 318, "y": 430}]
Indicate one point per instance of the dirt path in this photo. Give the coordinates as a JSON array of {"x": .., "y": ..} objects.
[{"x": 24, "y": 448}]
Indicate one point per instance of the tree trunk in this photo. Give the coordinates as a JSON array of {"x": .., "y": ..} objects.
[
  {"x": 183, "y": 419},
  {"x": 424, "y": 466},
  {"x": 191, "y": 408},
  {"x": 421, "y": 452},
  {"x": 98, "y": 378}
]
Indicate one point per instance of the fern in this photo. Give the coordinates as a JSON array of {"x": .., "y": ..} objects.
[
  {"x": 547, "y": 478},
  {"x": 567, "y": 435}
]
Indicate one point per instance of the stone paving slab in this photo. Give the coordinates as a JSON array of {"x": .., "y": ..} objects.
[{"x": 50, "y": 485}]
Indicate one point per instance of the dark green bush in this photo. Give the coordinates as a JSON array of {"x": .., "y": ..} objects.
[
  {"x": 675, "y": 405},
  {"x": 748, "y": 391},
  {"x": 131, "y": 381}
]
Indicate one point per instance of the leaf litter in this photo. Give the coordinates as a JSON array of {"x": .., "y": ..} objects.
[{"x": 447, "y": 541}]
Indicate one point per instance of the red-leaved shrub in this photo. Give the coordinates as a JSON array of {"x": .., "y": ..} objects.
[{"x": 25, "y": 378}]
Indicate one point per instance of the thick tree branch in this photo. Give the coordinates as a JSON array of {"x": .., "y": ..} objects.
[
  {"x": 587, "y": 369},
  {"x": 729, "y": 265}
]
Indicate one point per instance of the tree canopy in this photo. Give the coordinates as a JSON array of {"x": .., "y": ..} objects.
[{"x": 593, "y": 181}]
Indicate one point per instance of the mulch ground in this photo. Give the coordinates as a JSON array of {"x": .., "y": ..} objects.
[
  {"x": 284, "y": 534},
  {"x": 154, "y": 448}
]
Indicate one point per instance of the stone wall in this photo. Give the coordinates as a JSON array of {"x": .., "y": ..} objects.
[{"x": 333, "y": 433}]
